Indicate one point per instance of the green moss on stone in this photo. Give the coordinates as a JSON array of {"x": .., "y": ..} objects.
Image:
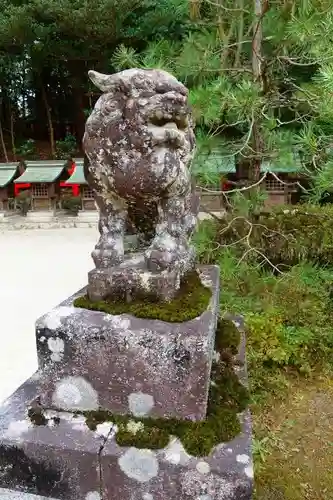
[
  {"x": 151, "y": 436},
  {"x": 36, "y": 416},
  {"x": 191, "y": 301},
  {"x": 227, "y": 398},
  {"x": 227, "y": 336}
]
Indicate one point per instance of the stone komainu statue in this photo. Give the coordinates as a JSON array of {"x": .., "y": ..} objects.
[{"x": 139, "y": 142}]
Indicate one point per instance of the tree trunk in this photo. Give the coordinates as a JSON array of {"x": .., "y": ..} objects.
[
  {"x": 49, "y": 121},
  {"x": 255, "y": 164},
  {"x": 80, "y": 120},
  {"x": 12, "y": 136},
  {"x": 3, "y": 145}
]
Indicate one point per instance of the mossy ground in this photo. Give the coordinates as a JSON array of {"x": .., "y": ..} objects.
[
  {"x": 191, "y": 301},
  {"x": 293, "y": 443},
  {"x": 227, "y": 398}
]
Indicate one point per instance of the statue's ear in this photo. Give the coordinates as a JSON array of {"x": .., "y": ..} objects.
[
  {"x": 105, "y": 83},
  {"x": 110, "y": 83}
]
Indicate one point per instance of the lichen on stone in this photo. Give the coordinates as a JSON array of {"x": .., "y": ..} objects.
[
  {"x": 74, "y": 393},
  {"x": 191, "y": 301},
  {"x": 140, "y": 465}
]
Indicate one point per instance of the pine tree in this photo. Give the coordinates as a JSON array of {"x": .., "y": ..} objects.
[{"x": 261, "y": 78}]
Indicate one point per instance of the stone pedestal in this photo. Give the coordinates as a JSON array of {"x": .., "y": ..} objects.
[
  {"x": 125, "y": 364},
  {"x": 63, "y": 459},
  {"x": 132, "y": 278}
]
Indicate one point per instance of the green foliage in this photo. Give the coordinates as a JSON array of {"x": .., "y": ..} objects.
[
  {"x": 214, "y": 59},
  {"x": 66, "y": 148},
  {"x": 71, "y": 204},
  {"x": 286, "y": 235},
  {"x": 288, "y": 316},
  {"x": 27, "y": 149},
  {"x": 23, "y": 202}
]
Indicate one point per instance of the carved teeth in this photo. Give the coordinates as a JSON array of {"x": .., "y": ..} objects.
[{"x": 171, "y": 125}]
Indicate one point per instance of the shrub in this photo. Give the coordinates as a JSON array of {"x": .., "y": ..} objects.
[
  {"x": 286, "y": 236},
  {"x": 27, "y": 150},
  {"x": 288, "y": 317},
  {"x": 23, "y": 202},
  {"x": 66, "y": 148},
  {"x": 71, "y": 204}
]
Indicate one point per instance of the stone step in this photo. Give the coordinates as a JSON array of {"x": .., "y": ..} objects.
[{"x": 46, "y": 220}]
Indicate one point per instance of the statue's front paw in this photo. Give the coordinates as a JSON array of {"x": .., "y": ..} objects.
[
  {"x": 108, "y": 254},
  {"x": 159, "y": 260},
  {"x": 165, "y": 252}
]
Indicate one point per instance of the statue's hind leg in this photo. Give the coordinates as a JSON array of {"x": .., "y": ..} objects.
[
  {"x": 171, "y": 249},
  {"x": 109, "y": 250}
]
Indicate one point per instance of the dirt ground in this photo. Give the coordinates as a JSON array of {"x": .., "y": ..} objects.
[{"x": 294, "y": 444}]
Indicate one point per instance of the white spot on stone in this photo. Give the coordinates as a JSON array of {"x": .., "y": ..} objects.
[
  {"x": 229, "y": 450},
  {"x": 243, "y": 459},
  {"x": 134, "y": 427},
  {"x": 140, "y": 404},
  {"x": 175, "y": 453},
  {"x": 237, "y": 324},
  {"x": 75, "y": 393},
  {"x": 106, "y": 429},
  {"x": 42, "y": 339},
  {"x": 141, "y": 465},
  {"x": 203, "y": 467},
  {"x": 79, "y": 424},
  {"x": 93, "y": 495},
  {"x": 216, "y": 356},
  {"x": 17, "y": 428},
  {"x": 145, "y": 280},
  {"x": 249, "y": 471},
  {"x": 120, "y": 323},
  {"x": 57, "y": 347},
  {"x": 147, "y": 496},
  {"x": 53, "y": 320},
  {"x": 205, "y": 497}
]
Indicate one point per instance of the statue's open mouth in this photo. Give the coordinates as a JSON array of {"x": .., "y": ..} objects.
[{"x": 169, "y": 121}]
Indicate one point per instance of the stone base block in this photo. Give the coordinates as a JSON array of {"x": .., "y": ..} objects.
[
  {"x": 58, "y": 459},
  {"x": 124, "y": 364},
  {"x": 172, "y": 474},
  {"x": 132, "y": 278},
  {"x": 63, "y": 459}
]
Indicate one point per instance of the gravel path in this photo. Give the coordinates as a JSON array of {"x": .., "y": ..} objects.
[{"x": 38, "y": 269}]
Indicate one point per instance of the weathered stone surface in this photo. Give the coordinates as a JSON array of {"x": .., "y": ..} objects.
[
  {"x": 172, "y": 474},
  {"x": 59, "y": 459},
  {"x": 131, "y": 278},
  {"x": 125, "y": 364},
  {"x": 139, "y": 143},
  {"x": 19, "y": 495}
]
